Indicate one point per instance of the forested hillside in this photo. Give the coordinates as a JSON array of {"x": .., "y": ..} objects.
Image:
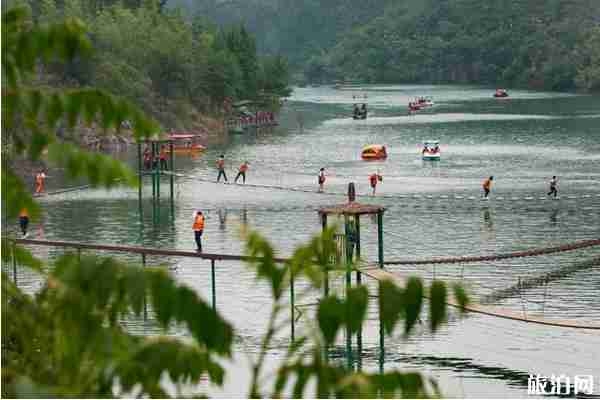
[
  {"x": 177, "y": 67},
  {"x": 549, "y": 44}
]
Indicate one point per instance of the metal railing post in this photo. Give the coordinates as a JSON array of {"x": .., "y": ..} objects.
[
  {"x": 213, "y": 284},
  {"x": 145, "y": 302},
  {"x": 14, "y": 259}
]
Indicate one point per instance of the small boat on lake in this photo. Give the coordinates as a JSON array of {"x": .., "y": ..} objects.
[
  {"x": 374, "y": 152},
  {"x": 431, "y": 150},
  {"x": 186, "y": 143},
  {"x": 501, "y": 93}
]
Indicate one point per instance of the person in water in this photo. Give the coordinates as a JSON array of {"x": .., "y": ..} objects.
[
  {"x": 321, "y": 179},
  {"x": 24, "y": 221},
  {"x": 553, "y": 187},
  {"x": 242, "y": 172},
  {"x": 221, "y": 168},
  {"x": 374, "y": 179},
  {"x": 40, "y": 179},
  {"x": 356, "y": 111},
  {"x": 198, "y": 228},
  {"x": 363, "y": 111},
  {"x": 487, "y": 185}
]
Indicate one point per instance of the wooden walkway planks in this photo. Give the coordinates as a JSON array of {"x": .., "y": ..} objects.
[{"x": 380, "y": 274}]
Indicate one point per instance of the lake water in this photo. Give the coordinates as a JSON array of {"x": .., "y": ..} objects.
[{"x": 433, "y": 209}]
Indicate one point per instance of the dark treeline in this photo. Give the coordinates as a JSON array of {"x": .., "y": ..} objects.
[
  {"x": 175, "y": 64},
  {"x": 544, "y": 44}
]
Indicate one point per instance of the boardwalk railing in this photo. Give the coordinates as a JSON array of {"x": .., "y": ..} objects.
[{"x": 369, "y": 271}]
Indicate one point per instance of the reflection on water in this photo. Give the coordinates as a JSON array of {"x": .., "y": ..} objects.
[{"x": 476, "y": 356}]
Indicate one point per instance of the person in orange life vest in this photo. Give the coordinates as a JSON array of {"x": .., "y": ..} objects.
[
  {"x": 321, "y": 179},
  {"x": 40, "y": 177},
  {"x": 163, "y": 157},
  {"x": 373, "y": 179},
  {"x": 221, "y": 168},
  {"x": 242, "y": 172},
  {"x": 487, "y": 185},
  {"x": 24, "y": 221},
  {"x": 198, "y": 228}
]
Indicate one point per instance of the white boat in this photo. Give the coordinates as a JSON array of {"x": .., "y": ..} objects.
[
  {"x": 431, "y": 150},
  {"x": 425, "y": 102}
]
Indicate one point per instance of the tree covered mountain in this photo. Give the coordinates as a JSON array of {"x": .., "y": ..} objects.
[
  {"x": 550, "y": 44},
  {"x": 177, "y": 68}
]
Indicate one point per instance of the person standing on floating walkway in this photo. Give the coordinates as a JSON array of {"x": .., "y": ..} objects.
[
  {"x": 40, "y": 178},
  {"x": 553, "y": 187},
  {"x": 321, "y": 179},
  {"x": 147, "y": 159},
  {"x": 487, "y": 185},
  {"x": 24, "y": 221},
  {"x": 221, "y": 168},
  {"x": 163, "y": 157},
  {"x": 242, "y": 172},
  {"x": 373, "y": 179},
  {"x": 198, "y": 228}
]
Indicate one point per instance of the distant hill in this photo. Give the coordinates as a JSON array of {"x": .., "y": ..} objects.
[{"x": 550, "y": 44}]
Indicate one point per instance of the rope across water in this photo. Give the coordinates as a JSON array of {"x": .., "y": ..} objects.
[{"x": 494, "y": 257}]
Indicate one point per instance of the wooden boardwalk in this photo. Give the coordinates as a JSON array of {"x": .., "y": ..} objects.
[{"x": 381, "y": 274}]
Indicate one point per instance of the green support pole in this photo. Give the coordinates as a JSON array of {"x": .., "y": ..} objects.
[
  {"x": 171, "y": 169},
  {"x": 158, "y": 173},
  {"x": 14, "y": 254},
  {"x": 380, "y": 237},
  {"x": 213, "y": 284},
  {"x": 140, "y": 175},
  {"x": 325, "y": 287},
  {"x": 326, "y": 280},
  {"x": 293, "y": 327},
  {"x": 358, "y": 283},
  {"x": 145, "y": 304},
  {"x": 380, "y": 248},
  {"x": 348, "y": 286}
]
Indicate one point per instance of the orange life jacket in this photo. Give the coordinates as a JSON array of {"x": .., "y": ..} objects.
[
  {"x": 23, "y": 213},
  {"x": 373, "y": 179},
  {"x": 244, "y": 167},
  {"x": 198, "y": 223},
  {"x": 487, "y": 184}
]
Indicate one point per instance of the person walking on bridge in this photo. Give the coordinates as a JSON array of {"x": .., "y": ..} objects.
[
  {"x": 24, "y": 221},
  {"x": 553, "y": 187},
  {"x": 321, "y": 179},
  {"x": 40, "y": 179},
  {"x": 487, "y": 186},
  {"x": 198, "y": 228},
  {"x": 242, "y": 172},
  {"x": 221, "y": 168},
  {"x": 374, "y": 179}
]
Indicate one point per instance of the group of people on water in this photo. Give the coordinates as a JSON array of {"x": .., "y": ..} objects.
[
  {"x": 553, "y": 184},
  {"x": 151, "y": 161},
  {"x": 374, "y": 179},
  {"x": 221, "y": 168},
  {"x": 261, "y": 117}
]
